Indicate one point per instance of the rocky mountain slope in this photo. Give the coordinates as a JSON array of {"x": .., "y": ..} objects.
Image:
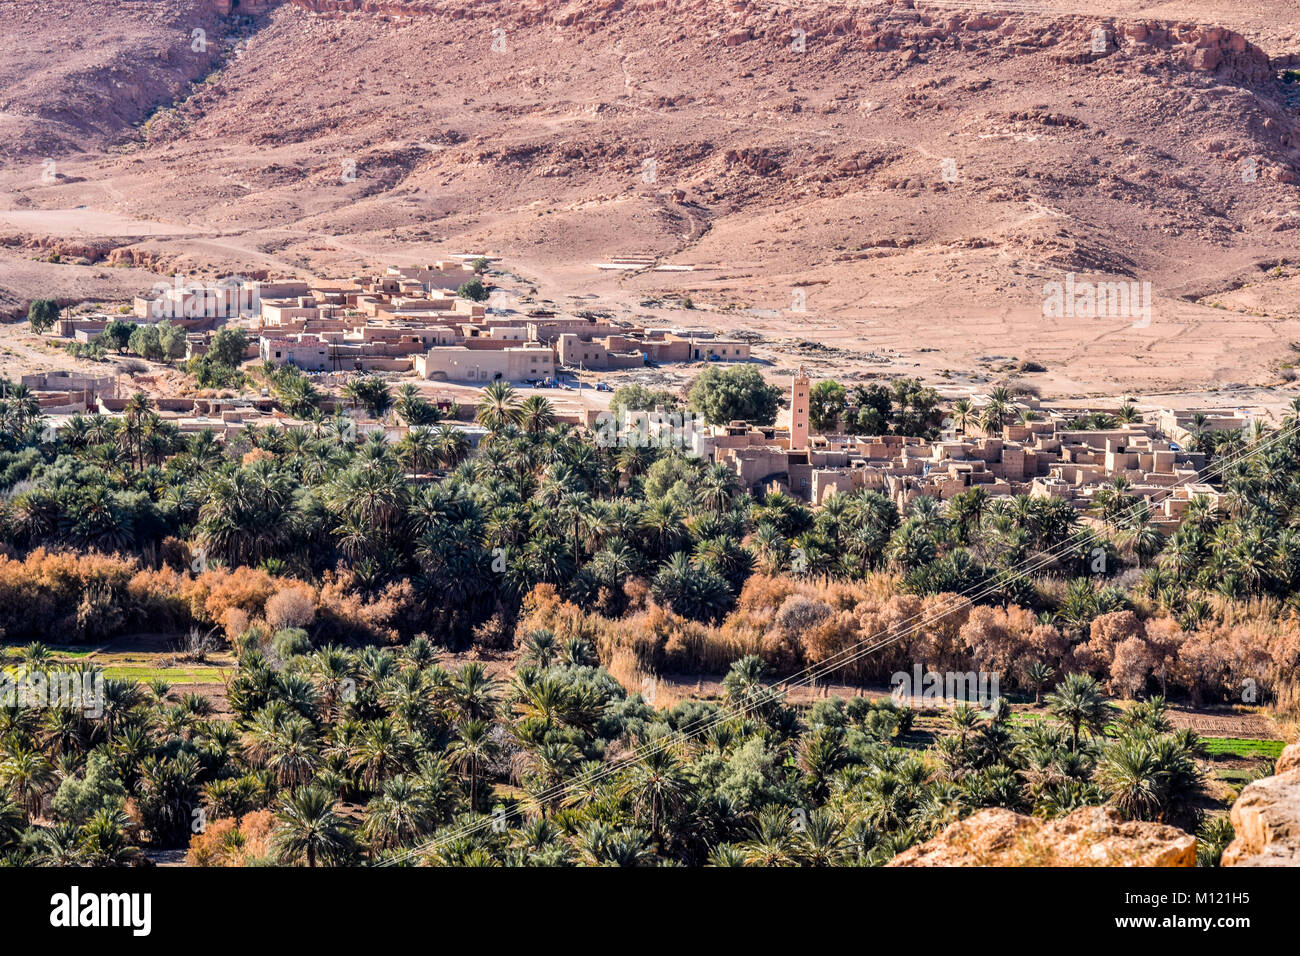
[
  {"x": 913, "y": 168},
  {"x": 76, "y": 75}
]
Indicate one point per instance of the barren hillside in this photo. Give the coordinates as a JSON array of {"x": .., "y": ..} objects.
[
  {"x": 76, "y": 74},
  {"x": 918, "y": 171}
]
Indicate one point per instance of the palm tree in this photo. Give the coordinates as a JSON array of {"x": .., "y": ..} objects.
[
  {"x": 536, "y": 414},
  {"x": 371, "y": 392},
  {"x": 821, "y": 842},
  {"x": 717, "y": 487},
  {"x": 307, "y": 827},
  {"x": 1038, "y": 674},
  {"x": 1129, "y": 775},
  {"x": 247, "y": 515},
  {"x": 539, "y": 647},
  {"x": 450, "y": 445},
  {"x": 473, "y": 693},
  {"x": 662, "y": 522},
  {"x": 379, "y": 752},
  {"x": 1078, "y": 703},
  {"x": 417, "y": 450},
  {"x": 137, "y": 407},
  {"x": 772, "y": 842},
  {"x": 471, "y": 748},
  {"x": 75, "y": 432},
  {"x": 399, "y": 816},
  {"x": 296, "y": 393},
  {"x": 292, "y": 752},
  {"x": 658, "y": 785},
  {"x": 412, "y": 409},
  {"x": 1143, "y": 537},
  {"x": 992, "y": 418},
  {"x": 60, "y": 845},
  {"x": 819, "y": 755},
  {"x": 575, "y": 507},
  {"x": 1128, "y": 414},
  {"x": 22, "y": 406},
  {"x": 27, "y": 776},
  {"x": 549, "y": 763},
  {"x": 498, "y": 407},
  {"x": 962, "y": 414},
  {"x": 103, "y": 841}
]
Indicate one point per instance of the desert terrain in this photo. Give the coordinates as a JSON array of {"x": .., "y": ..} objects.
[{"x": 869, "y": 188}]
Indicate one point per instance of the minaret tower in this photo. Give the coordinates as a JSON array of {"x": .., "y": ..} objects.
[{"x": 799, "y": 411}]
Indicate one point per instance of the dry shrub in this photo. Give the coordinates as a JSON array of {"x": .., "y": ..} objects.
[
  {"x": 234, "y": 622},
  {"x": 225, "y": 843},
  {"x": 344, "y": 615},
  {"x": 99, "y": 613},
  {"x": 833, "y": 635},
  {"x": 1217, "y": 661},
  {"x": 643, "y": 635},
  {"x": 718, "y": 648},
  {"x": 997, "y": 639},
  {"x": 257, "y": 827},
  {"x": 637, "y": 593},
  {"x": 1200, "y": 665},
  {"x": 791, "y": 623},
  {"x": 763, "y": 592},
  {"x": 1288, "y": 704},
  {"x": 294, "y": 605},
  {"x": 781, "y": 651},
  {"x": 626, "y": 669},
  {"x": 799, "y": 613},
  {"x": 1130, "y": 666},
  {"x": 63, "y": 593},
  {"x": 175, "y": 554},
  {"x": 1164, "y": 638},
  {"x": 888, "y": 627},
  {"x": 214, "y": 846},
  {"x": 933, "y": 635},
  {"x": 494, "y": 633},
  {"x": 1049, "y": 646},
  {"x": 544, "y": 608},
  {"x": 1106, "y": 633},
  {"x": 244, "y": 588},
  {"x": 635, "y": 679},
  {"x": 159, "y": 600},
  {"x": 256, "y": 455}
]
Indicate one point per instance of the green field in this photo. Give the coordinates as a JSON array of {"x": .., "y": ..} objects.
[
  {"x": 1245, "y": 748},
  {"x": 137, "y": 665},
  {"x": 172, "y": 675}
]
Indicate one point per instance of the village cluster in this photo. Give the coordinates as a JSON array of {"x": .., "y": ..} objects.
[
  {"x": 1040, "y": 457},
  {"x": 418, "y": 322},
  {"x": 409, "y": 319}
]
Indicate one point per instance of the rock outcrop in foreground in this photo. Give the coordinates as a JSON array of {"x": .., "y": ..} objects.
[
  {"x": 1092, "y": 836},
  {"x": 1266, "y": 818}
]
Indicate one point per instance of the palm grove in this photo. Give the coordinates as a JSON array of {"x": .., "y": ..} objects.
[{"x": 343, "y": 570}]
